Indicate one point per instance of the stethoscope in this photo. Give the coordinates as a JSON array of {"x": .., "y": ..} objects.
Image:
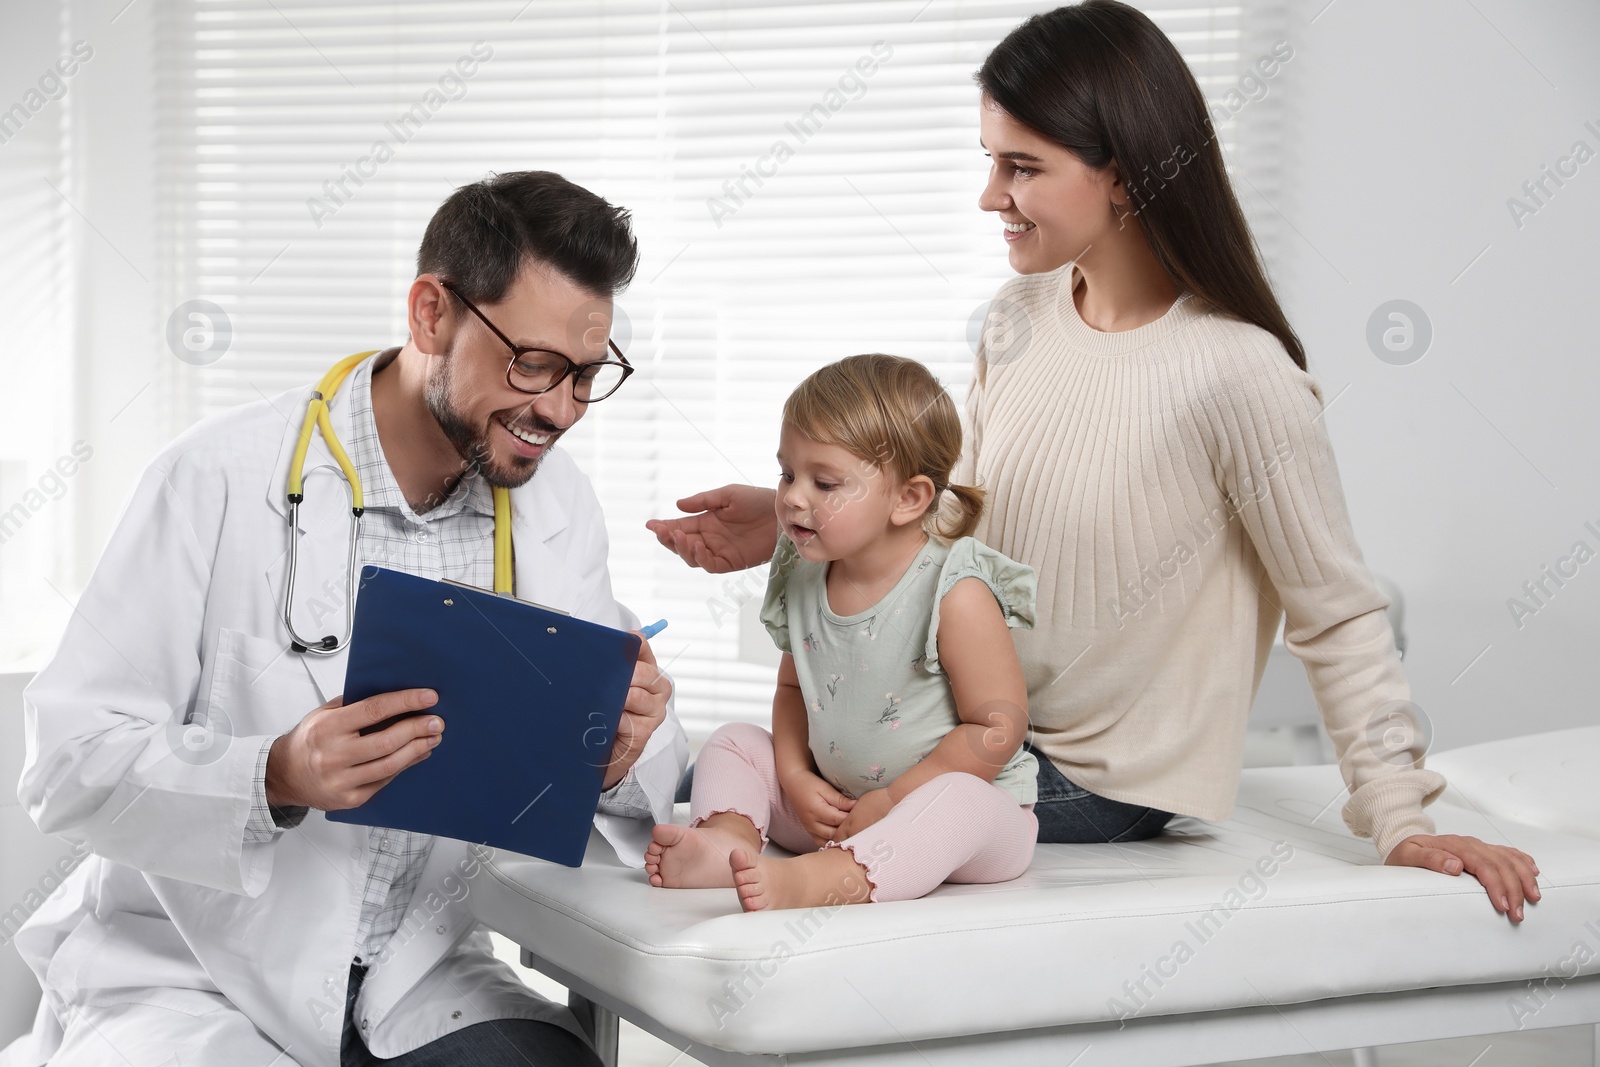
[{"x": 317, "y": 417}]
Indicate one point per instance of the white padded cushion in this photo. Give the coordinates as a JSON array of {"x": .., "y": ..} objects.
[
  {"x": 1545, "y": 780},
  {"x": 1071, "y": 941}
]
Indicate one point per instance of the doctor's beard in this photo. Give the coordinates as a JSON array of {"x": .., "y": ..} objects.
[{"x": 506, "y": 470}]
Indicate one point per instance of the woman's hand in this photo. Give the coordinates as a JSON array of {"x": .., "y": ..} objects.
[
  {"x": 1507, "y": 874},
  {"x": 736, "y": 528},
  {"x": 869, "y": 808},
  {"x": 821, "y": 807}
]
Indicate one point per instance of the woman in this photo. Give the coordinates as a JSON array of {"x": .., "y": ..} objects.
[{"x": 1185, "y": 497}]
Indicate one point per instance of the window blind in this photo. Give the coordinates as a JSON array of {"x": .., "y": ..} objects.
[{"x": 803, "y": 178}]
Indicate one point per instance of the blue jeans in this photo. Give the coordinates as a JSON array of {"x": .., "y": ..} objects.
[
  {"x": 1069, "y": 814},
  {"x": 498, "y": 1043}
]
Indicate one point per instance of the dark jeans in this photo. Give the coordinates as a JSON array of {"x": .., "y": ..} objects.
[
  {"x": 498, "y": 1043},
  {"x": 1068, "y": 814}
]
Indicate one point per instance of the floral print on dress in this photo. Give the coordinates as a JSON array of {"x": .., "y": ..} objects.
[{"x": 877, "y": 707}]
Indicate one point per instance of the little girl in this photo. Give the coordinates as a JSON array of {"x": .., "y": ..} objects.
[{"x": 895, "y": 760}]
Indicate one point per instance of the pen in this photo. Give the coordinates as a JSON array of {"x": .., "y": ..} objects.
[{"x": 653, "y": 629}]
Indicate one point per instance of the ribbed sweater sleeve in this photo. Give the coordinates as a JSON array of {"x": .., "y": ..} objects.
[{"x": 1275, "y": 466}]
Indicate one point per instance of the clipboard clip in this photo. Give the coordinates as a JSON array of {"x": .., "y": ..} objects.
[{"x": 508, "y": 596}]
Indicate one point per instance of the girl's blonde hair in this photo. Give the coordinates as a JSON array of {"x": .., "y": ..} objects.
[{"x": 892, "y": 413}]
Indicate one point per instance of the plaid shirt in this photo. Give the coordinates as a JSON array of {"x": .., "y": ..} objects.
[{"x": 454, "y": 540}]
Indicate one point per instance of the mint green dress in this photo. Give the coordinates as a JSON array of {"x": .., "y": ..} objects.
[{"x": 877, "y": 700}]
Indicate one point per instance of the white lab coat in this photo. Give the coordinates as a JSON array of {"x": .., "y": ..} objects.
[{"x": 182, "y": 617}]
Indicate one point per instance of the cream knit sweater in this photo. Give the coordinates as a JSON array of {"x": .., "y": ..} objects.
[{"x": 1174, "y": 488}]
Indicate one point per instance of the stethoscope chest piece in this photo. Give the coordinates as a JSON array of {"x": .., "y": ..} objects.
[{"x": 331, "y": 644}]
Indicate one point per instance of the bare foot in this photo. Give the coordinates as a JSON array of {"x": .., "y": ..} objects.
[
  {"x": 826, "y": 878},
  {"x": 679, "y": 857}
]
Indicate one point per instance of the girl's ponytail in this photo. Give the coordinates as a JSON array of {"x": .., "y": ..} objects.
[{"x": 966, "y": 509}]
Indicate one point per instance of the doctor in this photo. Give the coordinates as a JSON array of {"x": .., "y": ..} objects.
[{"x": 221, "y": 916}]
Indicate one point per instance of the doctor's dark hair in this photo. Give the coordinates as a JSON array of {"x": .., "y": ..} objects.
[
  {"x": 483, "y": 234},
  {"x": 1102, "y": 81},
  {"x": 892, "y": 414}
]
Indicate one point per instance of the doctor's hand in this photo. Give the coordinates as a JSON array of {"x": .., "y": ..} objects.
[
  {"x": 325, "y": 763},
  {"x": 736, "y": 528},
  {"x": 1507, "y": 874},
  {"x": 643, "y": 711}
]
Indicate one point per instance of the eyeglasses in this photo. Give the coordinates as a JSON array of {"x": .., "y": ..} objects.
[{"x": 538, "y": 370}]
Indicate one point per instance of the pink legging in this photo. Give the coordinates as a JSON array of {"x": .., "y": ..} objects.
[{"x": 954, "y": 828}]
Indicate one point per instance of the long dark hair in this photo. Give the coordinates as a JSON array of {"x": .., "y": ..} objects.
[{"x": 1102, "y": 80}]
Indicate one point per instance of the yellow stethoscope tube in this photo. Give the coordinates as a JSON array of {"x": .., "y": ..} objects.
[{"x": 317, "y": 418}]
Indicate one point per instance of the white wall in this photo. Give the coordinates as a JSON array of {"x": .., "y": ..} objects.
[
  {"x": 1409, "y": 126},
  {"x": 120, "y": 403},
  {"x": 120, "y": 410},
  {"x": 37, "y": 501},
  {"x": 104, "y": 355}
]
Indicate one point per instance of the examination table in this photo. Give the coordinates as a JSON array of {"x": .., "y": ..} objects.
[{"x": 1274, "y": 933}]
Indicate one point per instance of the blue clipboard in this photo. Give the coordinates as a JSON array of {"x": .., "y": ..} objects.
[{"x": 531, "y": 699}]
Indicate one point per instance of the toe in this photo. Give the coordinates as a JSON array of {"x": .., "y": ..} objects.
[{"x": 751, "y": 898}]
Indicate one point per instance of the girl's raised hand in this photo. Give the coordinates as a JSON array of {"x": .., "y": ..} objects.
[
  {"x": 821, "y": 807},
  {"x": 1507, "y": 874}
]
